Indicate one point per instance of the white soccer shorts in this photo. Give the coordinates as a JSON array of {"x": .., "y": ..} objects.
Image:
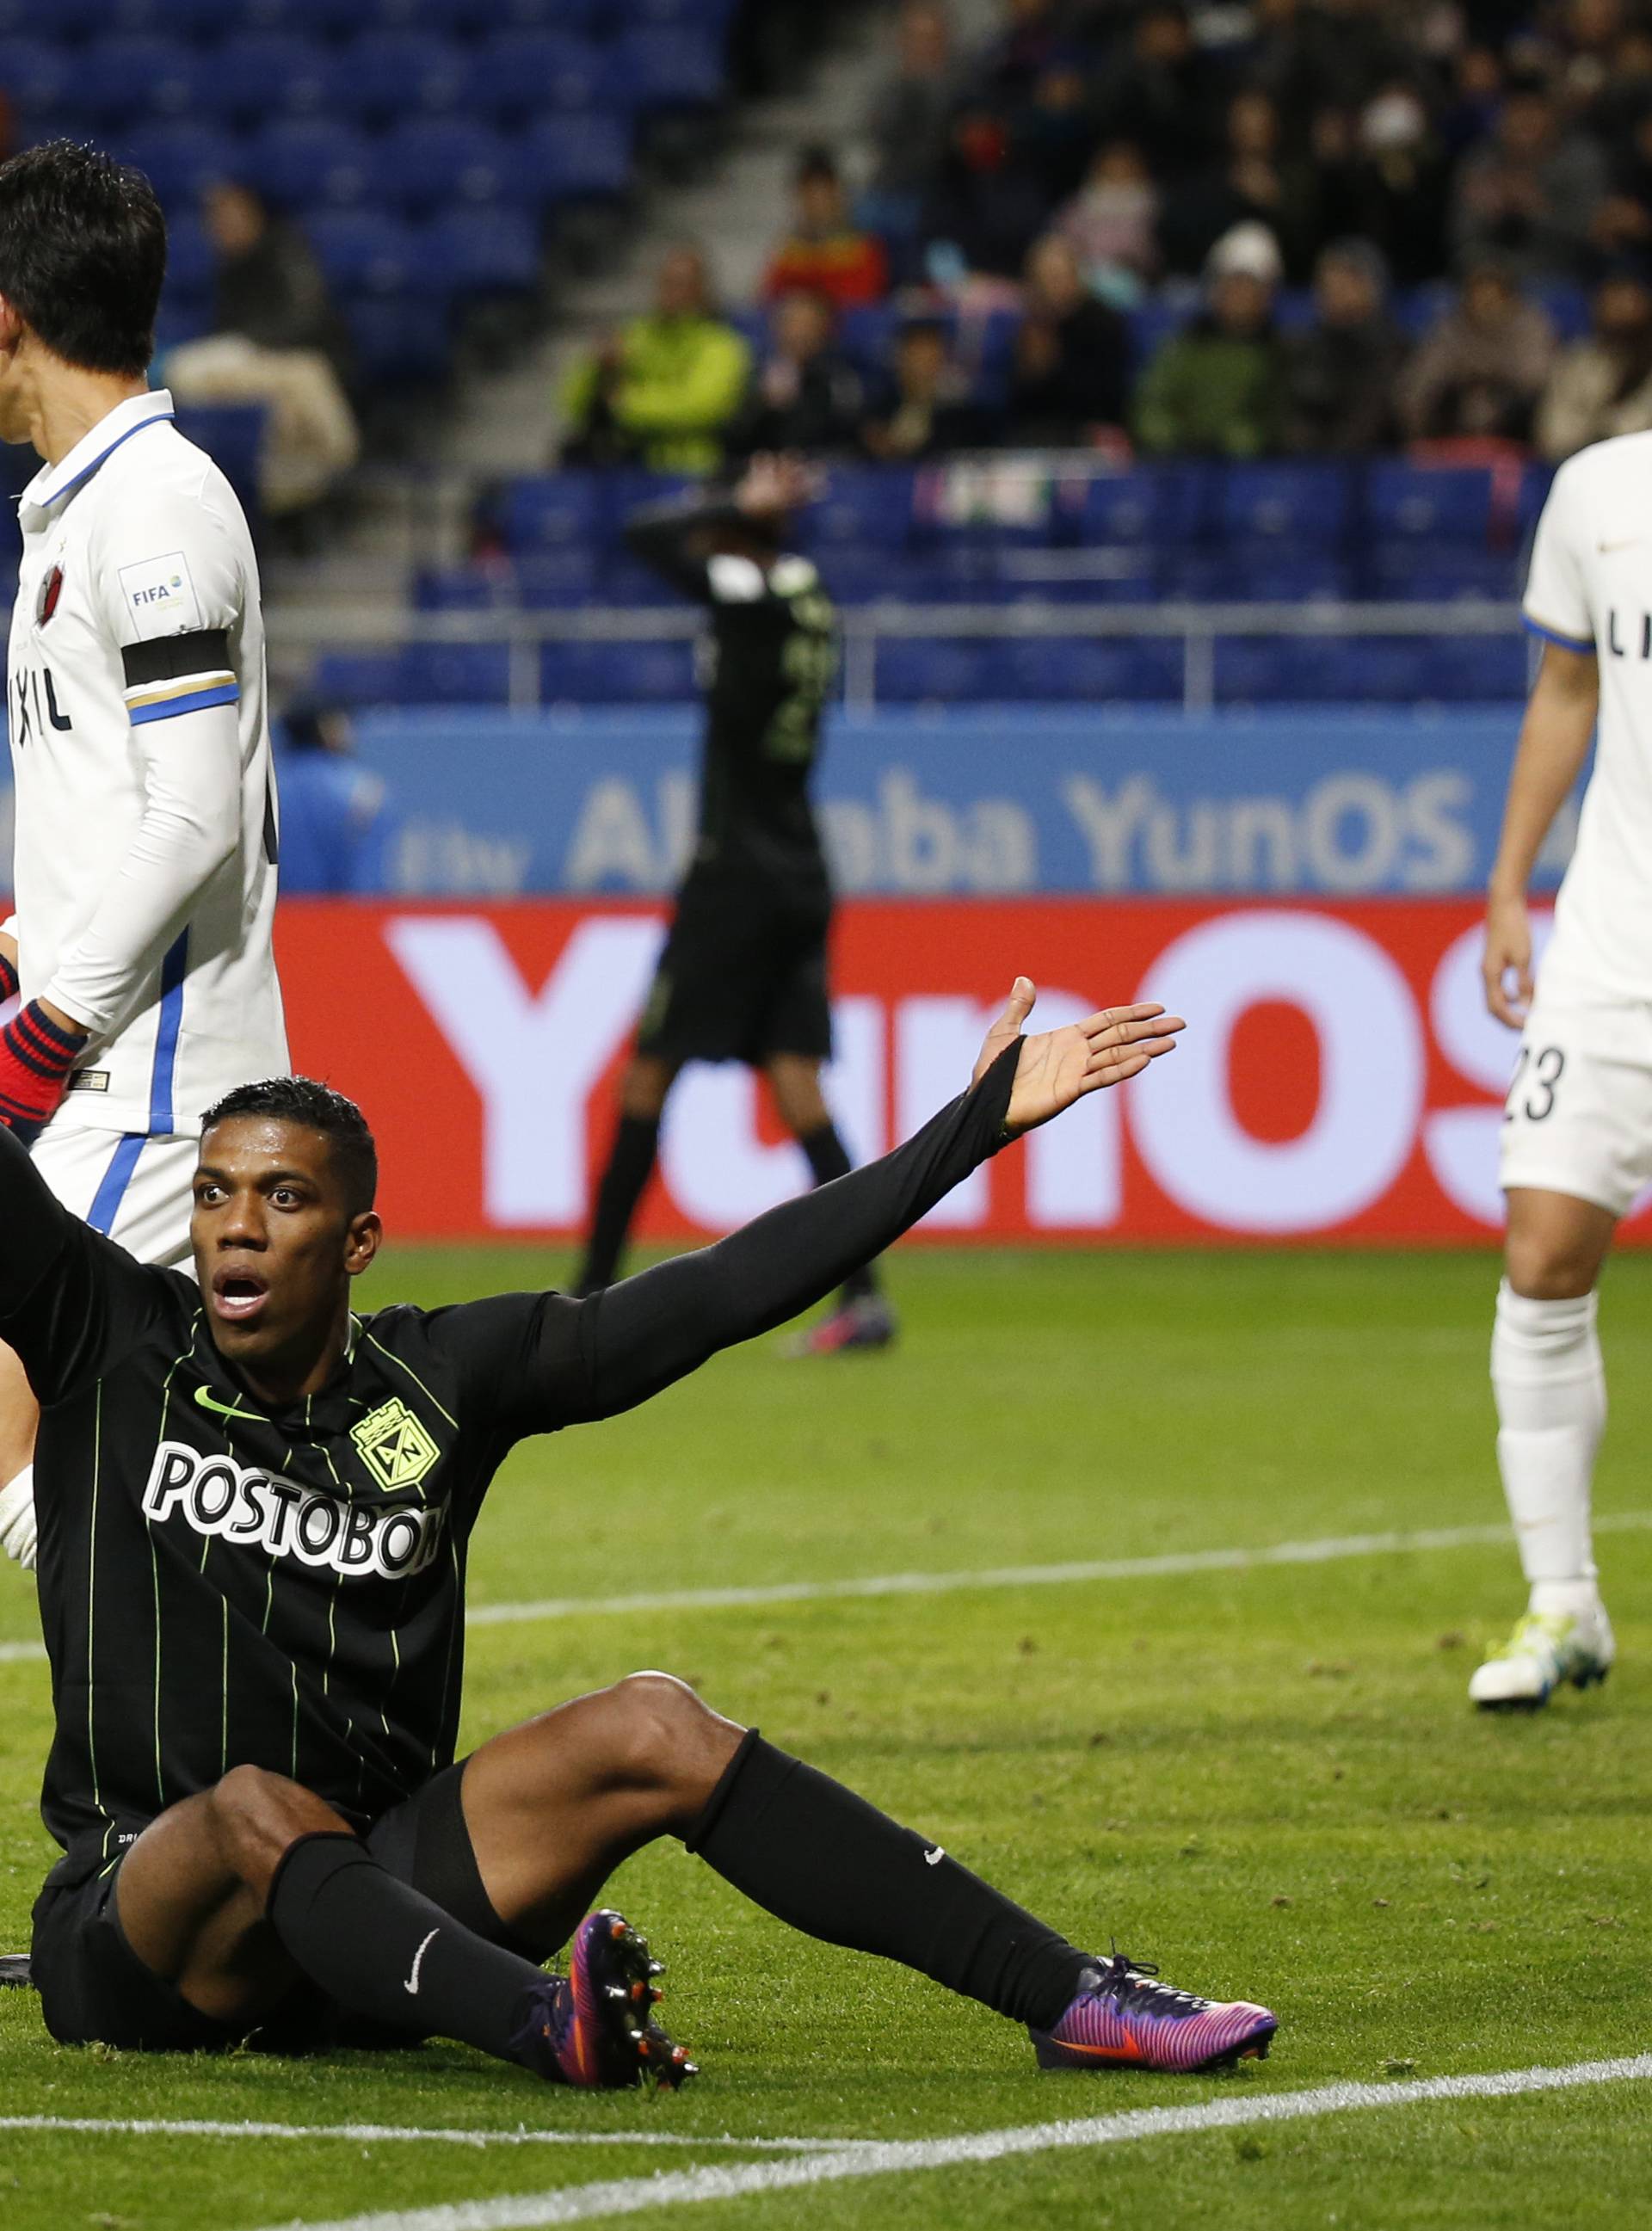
[
  {"x": 1578, "y": 1116},
  {"x": 135, "y": 1189}
]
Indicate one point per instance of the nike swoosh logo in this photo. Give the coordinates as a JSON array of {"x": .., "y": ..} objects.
[
  {"x": 1628, "y": 543},
  {"x": 411, "y": 1985},
  {"x": 206, "y": 1400},
  {"x": 934, "y": 1859}
]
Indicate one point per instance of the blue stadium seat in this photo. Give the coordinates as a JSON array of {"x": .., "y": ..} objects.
[
  {"x": 573, "y": 159},
  {"x": 401, "y": 340},
  {"x": 192, "y": 262},
  {"x": 1253, "y": 575},
  {"x": 1480, "y": 669},
  {"x": 482, "y": 252},
  {"x": 1151, "y": 324},
  {"x": 1440, "y": 574},
  {"x": 262, "y": 73},
  {"x": 555, "y": 580},
  {"x": 454, "y": 673},
  {"x": 324, "y": 19},
  {"x": 457, "y": 589},
  {"x": 431, "y": 163},
  {"x": 383, "y": 76},
  {"x": 116, "y": 78},
  {"x": 1294, "y": 507},
  {"x": 672, "y": 68},
  {"x": 34, "y": 74},
  {"x": 867, "y": 332},
  {"x": 1427, "y": 503},
  {"x": 919, "y": 673},
  {"x": 1535, "y": 483},
  {"x": 622, "y": 580},
  {"x": 365, "y": 251},
  {"x": 1273, "y": 669},
  {"x": 617, "y": 673},
  {"x": 358, "y": 677},
  {"x": 866, "y": 505},
  {"x": 178, "y": 160},
  {"x": 521, "y": 73},
  {"x": 551, "y": 510},
  {"x": 1063, "y": 669},
  {"x": 309, "y": 162},
  {"x": 1152, "y": 504}
]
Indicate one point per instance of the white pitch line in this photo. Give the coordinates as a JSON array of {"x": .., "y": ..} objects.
[
  {"x": 590, "y": 2203},
  {"x": 1329, "y": 1550},
  {"x": 363, "y": 2134}
]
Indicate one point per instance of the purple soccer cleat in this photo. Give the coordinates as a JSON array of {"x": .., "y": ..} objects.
[
  {"x": 594, "y": 2027},
  {"x": 1123, "y": 2018}
]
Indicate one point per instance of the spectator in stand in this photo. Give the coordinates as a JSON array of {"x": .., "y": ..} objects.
[
  {"x": 663, "y": 392},
  {"x": 1622, "y": 218},
  {"x": 1251, "y": 181},
  {"x": 276, "y": 341},
  {"x": 1111, "y": 222},
  {"x": 1602, "y": 386},
  {"x": 906, "y": 126},
  {"x": 929, "y": 412},
  {"x": 1054, "y": 130},
  {"x": 1529, "y": 192},
  {"x": 331, "y": 807},
  {"x": 1071, "y": 374},
  {"x": 1011, "y": 63},
  {"x": 1164, "y": 92},
  {"x": 806, "y": 396},
  {"x": 983, "y": 213},
  {"x": 1339, "y": 373},
  {"x": 825, "y": 252},
  {"x": 1470, "y": 115},
  {"x": 1213, "y": 389},
  {"x": 1479, "y": 372},
  {"x": 1401, "y": 181}
]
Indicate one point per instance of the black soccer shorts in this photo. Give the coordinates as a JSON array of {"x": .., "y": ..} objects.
[
  {"x": 743, "y": 976},
  {"x": 94, "y": 1989}
]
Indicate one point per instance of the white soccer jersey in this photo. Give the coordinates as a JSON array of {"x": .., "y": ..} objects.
[
  {"x": 144, "y": 872},
  {"x": 1591, "y": 589}
]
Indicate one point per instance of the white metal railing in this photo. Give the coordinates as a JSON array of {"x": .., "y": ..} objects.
[{"x": 316, "y": 628}]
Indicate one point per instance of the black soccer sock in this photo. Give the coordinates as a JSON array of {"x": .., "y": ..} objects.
[
  {"x": 815, "y": 1855},
  {"x": 631, "y": 1164},
  {"x": 384, "y": 1951},
  {"x": 829, "y": 1158}
]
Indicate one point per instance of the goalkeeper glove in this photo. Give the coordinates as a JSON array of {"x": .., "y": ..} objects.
[
  {"x": 37, "y": 1055},
  {"x": 18, "y": 1530}
]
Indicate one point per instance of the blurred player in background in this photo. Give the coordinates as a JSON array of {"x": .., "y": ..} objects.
[
  {"x": 743, "y": 974},
  {"x": 1578, "y": 1135},
  {"x": 144, "y": 876}
]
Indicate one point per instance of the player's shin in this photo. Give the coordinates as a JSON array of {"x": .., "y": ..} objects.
[
  {"x": 817, "y": 1856},
  {"x": 1550, "y": 1389},
  {"x": 385, "y": 1952}
]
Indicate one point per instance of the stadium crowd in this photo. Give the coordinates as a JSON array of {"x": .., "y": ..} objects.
[{"x": 1291, "y": 228}]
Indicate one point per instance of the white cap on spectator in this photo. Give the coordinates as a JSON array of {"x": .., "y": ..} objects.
[{"x": 1249, "y": 250}]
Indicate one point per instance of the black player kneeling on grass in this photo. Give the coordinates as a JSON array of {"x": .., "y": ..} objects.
[{"x": 254, "y": 1511}]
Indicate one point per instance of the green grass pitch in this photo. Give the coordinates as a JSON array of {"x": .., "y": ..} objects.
[{"x": 1267, "y": 1779}]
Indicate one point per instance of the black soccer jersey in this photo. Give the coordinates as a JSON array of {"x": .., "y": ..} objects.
[
  {"x": 769, "y": 659},
  {"x": 224, "y": 1582}
]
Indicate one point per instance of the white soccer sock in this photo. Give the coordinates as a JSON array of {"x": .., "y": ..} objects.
[
  {"x": 17, "y": 1532},
  {"x": 1550, "y": 1389}
]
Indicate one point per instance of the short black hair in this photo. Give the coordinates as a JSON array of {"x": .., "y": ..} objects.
[
  {"x": 318, "y": 1108},
  {"x": 83, "y": 255}
]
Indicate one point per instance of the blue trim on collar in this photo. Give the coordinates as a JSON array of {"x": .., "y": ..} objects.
[{"x": 44, "y": 503}]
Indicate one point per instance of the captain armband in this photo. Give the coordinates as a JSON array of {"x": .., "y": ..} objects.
[{"x": 179, "y": 674}]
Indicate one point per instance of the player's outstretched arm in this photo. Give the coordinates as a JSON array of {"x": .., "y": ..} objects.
[
  {"x": 646, "y": 1332},
  {"x": 70, "y": 1300}
]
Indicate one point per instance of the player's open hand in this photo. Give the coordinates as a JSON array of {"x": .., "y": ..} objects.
[
  {"x": 1506, "y": 965},
  {"x": 1057, "y": 1067}
]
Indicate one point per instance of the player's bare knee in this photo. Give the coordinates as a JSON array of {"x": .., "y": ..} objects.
[
  {"x": 1543, "y": 1266},
  {"x": 670, "y": 1736},
  {"x": 255, "y": 1815}
]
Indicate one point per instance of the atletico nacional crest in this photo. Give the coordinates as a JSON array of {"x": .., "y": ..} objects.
[{"x": 49, "y": 594}]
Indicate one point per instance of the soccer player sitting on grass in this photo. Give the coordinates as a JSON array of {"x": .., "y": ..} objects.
[{"x": 254, "y": 1512}]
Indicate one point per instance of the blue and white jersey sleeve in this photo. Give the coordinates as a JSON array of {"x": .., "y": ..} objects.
[
  {"x": 1555, "y": 605},
  {"x": 173, "y": 592}
]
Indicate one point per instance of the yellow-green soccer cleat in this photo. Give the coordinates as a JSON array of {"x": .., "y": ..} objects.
[{"x": 1546, "y": 1649}]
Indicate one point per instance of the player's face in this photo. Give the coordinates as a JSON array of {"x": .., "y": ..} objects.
[{"x": 274, "y": 1239}]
